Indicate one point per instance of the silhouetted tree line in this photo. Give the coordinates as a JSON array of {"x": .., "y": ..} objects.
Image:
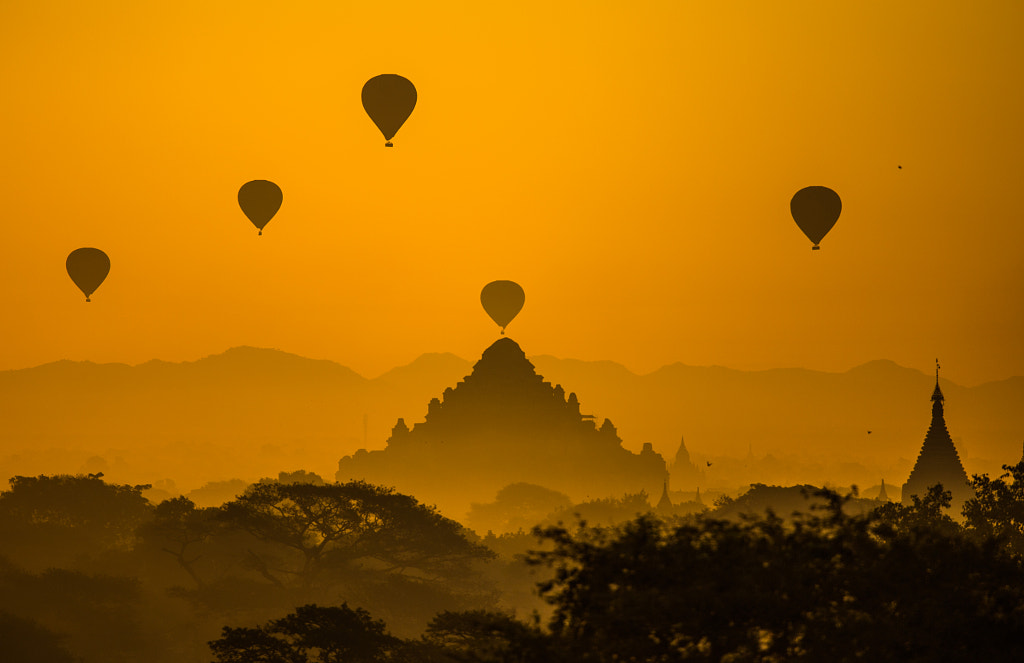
[
  {"x": 126, "y": 581},
  {"x": 899, "y": 583},
  {"x": 91, "y": 571}
]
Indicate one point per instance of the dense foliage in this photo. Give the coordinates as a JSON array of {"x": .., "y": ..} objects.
[
  {"x": 900, "y": 583},
  {"x": 897, "y": 583},
  {"x": 128, "y": 581}
]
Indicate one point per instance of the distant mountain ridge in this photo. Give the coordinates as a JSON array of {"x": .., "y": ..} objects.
[{"x": 252, "y": 412}]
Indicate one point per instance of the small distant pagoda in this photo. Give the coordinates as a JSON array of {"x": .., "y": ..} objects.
[
  {"x": 938, "y": 461},
  {"x": 665, "y": 506},
  {"x": 683, "y": 470}
]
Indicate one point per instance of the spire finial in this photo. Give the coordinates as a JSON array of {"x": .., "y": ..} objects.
[{"x": 937, "y": 392}]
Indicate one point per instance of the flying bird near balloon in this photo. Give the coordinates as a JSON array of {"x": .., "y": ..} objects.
[
  {"x": 260, "y": 200},
  {"x": 503, "y": 300},
  {"x": 815, "y": 210},
  {"x": 389, "y": 99},
  {"x": 87, "y": 267}
]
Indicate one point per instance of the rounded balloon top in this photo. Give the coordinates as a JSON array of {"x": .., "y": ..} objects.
[
  {"x": 87, "y": 267},
  {"x": 815, "y": 210},
  {"x": 389, "y": 99},
  {"x": 260, "y": 200},
  {"x": 502, "y": 300}
]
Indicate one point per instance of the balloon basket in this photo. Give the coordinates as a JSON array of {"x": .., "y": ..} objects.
[
  {"x": 389, "y": 144},
  {"x": 87, "y": 300},
  {"x": 815, "y": 248},
  {"x": 259, "y": 233}
]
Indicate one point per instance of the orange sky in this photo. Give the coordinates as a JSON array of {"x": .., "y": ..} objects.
[{"x": 629, "y": 164}]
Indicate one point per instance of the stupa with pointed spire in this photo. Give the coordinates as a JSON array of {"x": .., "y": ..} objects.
[
  {"x": 504, "y": 424},
  {"x": 938, "y": 461},
  {"x": 683, "y": 471},
  {"x": 664, "y": 506}
]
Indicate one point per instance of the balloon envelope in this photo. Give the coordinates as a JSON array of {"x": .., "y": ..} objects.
[
  {"x": 815, "y": 210},
  {"x": 502, "y": 300},
  {"x": 87, "y": 268},
  {"x": 389, "y": 99},
  {"x": 260, "y": 200}
]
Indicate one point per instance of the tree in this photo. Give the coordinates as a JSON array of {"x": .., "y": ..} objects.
[
  {"x": 98, "y": 617},
  {"x": 828, "y": 586},
  {"x": 997, "y": 509},
  {"x": 26, "y": 641},
  {"x": 317, "y": 531},
  {"x": 178, "y": 528},
  {"x": 606, "y": 511},
  {"x": 312, "y": 634},
  {"x": 516, "y": 506},
  {"x": 484, "y": 636},
  {"x": 280, "y": 545},
  {"x": 55, "y": 520},
  {"x": 927, "y": 513},
  {"x": 298, "y": 476}
]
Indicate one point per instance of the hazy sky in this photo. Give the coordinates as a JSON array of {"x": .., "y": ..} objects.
[{"x": 630, "y": 164}]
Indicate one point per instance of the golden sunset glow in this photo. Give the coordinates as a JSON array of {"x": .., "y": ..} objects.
[{"x": 629, "y": 164}]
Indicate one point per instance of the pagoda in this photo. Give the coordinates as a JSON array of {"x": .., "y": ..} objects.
[
  {"x": 938, "y": 461},
  {"x": 683, "y": 470},
  {"x": 665, "y": 505},
  {"x": 500, "y": 425}
]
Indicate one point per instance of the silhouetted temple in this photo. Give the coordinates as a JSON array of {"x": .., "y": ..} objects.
[
  {"x": 684, "y": 472},
  {"x": 504, "y": 424},
  {"x": 938, "y": 461},
  {"x": 664, "y": 506}
]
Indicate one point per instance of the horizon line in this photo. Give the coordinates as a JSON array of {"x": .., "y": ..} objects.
[{"x": 472, "y": 361}]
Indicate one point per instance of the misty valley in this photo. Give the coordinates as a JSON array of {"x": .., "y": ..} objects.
[{"x": 509, "y": 523}]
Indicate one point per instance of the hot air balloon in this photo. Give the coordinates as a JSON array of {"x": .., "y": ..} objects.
[
  {"x": 87, "y": 268},
  {"x": 260, "y": 200},
  {"x": 389, "y": 99},
  {"x": 816, "y": 209},
  {"x": 503, "y": 300}
]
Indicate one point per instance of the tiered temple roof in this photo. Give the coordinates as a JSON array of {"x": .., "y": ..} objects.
[
  {"x": 938, "y": 461},
  {"x": 504, "y": 424}
]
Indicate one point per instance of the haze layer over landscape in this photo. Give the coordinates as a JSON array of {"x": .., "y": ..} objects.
[{"x": 250, "y": 413}]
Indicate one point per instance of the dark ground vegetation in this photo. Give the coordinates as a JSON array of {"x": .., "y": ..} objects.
[{"x": 290, "y": 572}]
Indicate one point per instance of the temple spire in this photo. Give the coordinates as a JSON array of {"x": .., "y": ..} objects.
[
  {"x": 938, "y": 461},
  {"x": 937, "y": 394},
  {"x": 665, "y": 503}
]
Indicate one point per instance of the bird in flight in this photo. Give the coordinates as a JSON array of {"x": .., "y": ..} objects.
[
  {"x": 708, "y": 462},
  {"x": 869, "y": 432}
]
